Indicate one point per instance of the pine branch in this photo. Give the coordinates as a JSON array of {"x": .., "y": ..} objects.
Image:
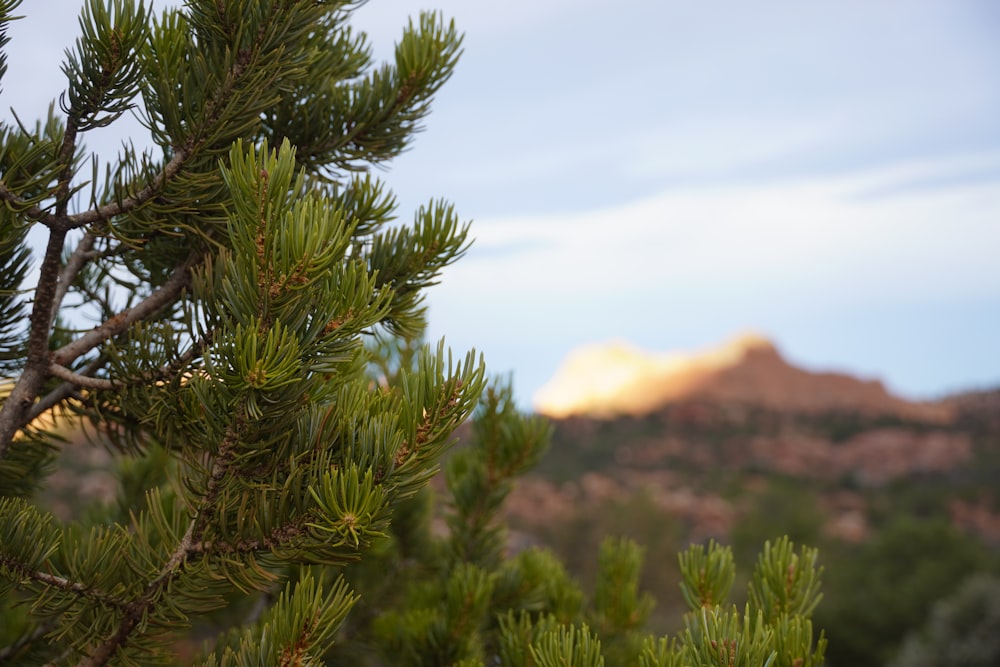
[
  {"x": 63, "y": 190},
  {"x": 180, "y": 157},
  {"x": 53, "y": 282},
  {"x": 36, "y": 372},
  {"x": 36, "y": 368},
  {"x": 139, "y": 609},
  {"x": 84, "y": 378},
  {"x": 61, "y": 583},
  {"x": 112, "y": 209},
  {"x": 66, "y": 222},
  {"x": 32, "y": 212},
  {"x": 279, "y": 536},
  {"x": 75, "y": 587},
  {"x": 164, "y": 295},
  {"x": 13, "y": 414},
  {"x": 65, "y": 178},
  {"x": 207, "y": 81}
]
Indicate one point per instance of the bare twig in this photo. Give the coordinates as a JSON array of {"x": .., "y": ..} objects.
[
  {"x": 62, "y": 392},
  {"x": 76, "y": 587},
  {"x": 189, "y": 545},
  {"x": 73, "y": 266},
  {"x": 66, "y": 374},
  {"x": 15, "y": 410},
  {"x": 110, "y": 210},
  {"x": 164, "y": 295}
]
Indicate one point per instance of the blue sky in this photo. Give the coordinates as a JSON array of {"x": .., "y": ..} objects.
[{"x": 672, "y": 173}]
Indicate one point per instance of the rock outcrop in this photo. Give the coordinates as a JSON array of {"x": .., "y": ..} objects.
[{"x": 617, "y": 379}]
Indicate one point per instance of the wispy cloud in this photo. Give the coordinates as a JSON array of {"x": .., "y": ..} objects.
[
  {"x": 725, "y": 257},
  {"x": 826, "y": 233}
]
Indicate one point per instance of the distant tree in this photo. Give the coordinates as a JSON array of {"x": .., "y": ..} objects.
[
  {"x": 784, "y": 507},
  {"x": 963, "y": 629},
  {"x": 272, "y": 467},
  {"x": 887, "y": 587}
]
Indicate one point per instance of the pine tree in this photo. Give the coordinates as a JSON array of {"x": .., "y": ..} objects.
[
  {"x": 233, "y": 272},
  {"x": 248, "y": 357}
]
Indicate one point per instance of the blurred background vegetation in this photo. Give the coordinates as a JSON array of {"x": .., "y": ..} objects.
[{"x": 910, "y": 557}]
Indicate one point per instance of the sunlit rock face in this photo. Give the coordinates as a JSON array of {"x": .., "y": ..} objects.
[{"x": 618, "y": 378}]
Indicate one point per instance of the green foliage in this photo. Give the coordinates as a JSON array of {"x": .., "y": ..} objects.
[
  {"x": 708, "y": 575},
  {"x": 963, "y": 629},
  {"x": 715, "y": 636},
  {"x": 569, "y": 647},
  {"x": 889, "y": 585},
  {"x": 296, "y": 630},
  {"x": 786, "y": 584},
  {"x": 480, "y": 478},
  {"x": 617, "y": 603},
  {"x": 775, "y": 627},
  {"x": 518, "y": 634},
  {"x": 784, "y": 507}
]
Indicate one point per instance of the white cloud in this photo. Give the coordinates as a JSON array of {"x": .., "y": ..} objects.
[{"x": 831, "y": 236}]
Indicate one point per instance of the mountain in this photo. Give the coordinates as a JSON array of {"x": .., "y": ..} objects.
[{"x": 620, "y": 379}]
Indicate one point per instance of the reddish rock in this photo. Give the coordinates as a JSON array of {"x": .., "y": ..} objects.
[{"x": 618, "y": 379}]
